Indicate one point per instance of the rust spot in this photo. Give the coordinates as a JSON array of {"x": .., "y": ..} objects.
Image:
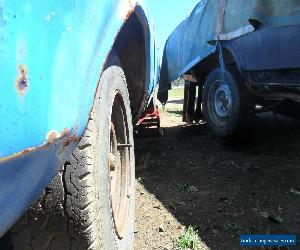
[
  {"x": 65, "y": 132},
  {"x": 70, "y": 137},
  {"x": 22, "y": 80},
  {"x": 129, "y": 13},
  {"x": 51, "y": 136},
  {"x": 65, "y": 137}
]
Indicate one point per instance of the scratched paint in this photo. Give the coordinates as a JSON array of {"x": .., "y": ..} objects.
[{"x": 22, "y": 82}]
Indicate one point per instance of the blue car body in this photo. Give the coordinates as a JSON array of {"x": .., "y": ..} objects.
[
  {"x": 261, "y": 35},
  {"x": 51, "y": 56}
]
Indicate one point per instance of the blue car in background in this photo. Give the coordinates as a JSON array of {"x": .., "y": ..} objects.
[
  {"x": 239, "y": 57},
  {"x": 75, "y": 76}
]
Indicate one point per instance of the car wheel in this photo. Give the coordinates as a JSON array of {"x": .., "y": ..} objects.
[
  {"x": 228, "y": 108},
  {"x": 90, "y": 203}
]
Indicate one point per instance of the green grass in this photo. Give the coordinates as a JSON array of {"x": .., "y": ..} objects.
[
  {"x": 177, "y": 93},
  {"x": 188, "y": 241},
  {"x": 172, "y": 109}
]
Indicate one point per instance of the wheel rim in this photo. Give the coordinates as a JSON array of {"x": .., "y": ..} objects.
[
  {"x": 119, "y": 166},
  {"x": 220, "y": 102}
]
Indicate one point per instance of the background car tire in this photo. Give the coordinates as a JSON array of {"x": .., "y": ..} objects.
[
  {"x": 83, "y": 207},
  {"x": 228, "y": 108}
]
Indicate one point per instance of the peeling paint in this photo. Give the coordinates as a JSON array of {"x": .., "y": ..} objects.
[
  {"x": 52, "y": 137},
  {"x": 22, "y": 82},
  {"x": 71, "y": 136}
]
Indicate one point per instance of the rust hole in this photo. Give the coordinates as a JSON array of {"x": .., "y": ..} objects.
[{"x": 22, "y": 80}]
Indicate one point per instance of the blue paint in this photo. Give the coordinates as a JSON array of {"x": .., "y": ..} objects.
[{"x": 50, "y": 38}]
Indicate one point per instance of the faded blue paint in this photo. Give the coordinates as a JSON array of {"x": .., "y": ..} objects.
[{"x": 50, "y": 39}]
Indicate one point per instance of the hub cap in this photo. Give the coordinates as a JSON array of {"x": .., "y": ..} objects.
[
  {"x": 222, "y": 100},
  {"x": 219, "y": 103}
]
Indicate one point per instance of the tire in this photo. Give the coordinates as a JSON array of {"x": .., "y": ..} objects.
[
  {"x": 90, "y": 203},
  {"x": 228, "y": 108}
]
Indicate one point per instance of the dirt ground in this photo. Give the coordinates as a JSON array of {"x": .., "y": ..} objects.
[{"x": 188, "y": 177}]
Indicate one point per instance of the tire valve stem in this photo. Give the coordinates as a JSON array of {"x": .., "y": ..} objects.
[{"x": 120, "y": 145}]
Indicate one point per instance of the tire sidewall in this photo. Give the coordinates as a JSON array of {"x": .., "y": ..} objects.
[{"x": 112, "y": 80}]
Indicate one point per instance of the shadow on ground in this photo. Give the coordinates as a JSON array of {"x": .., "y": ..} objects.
[
  {"x": 175, "y": 101},
  {"x": 175, "y": 112},
  {"x": 226, "y": 190}
]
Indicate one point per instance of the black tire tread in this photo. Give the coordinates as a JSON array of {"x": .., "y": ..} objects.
[{"x": 60, "y": 202}]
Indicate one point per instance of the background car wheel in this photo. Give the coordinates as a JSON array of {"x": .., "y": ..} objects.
[
  {"x": 90, "y": 203},
  {"x": 227, "y": 107}
]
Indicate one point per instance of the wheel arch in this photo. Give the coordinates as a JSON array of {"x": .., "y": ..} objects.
[
  {"x": 132, "y": 45},
  {"x": 205, "y": 66}
]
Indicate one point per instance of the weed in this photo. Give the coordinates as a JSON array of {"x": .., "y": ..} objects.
[{"x": 188, "y": 241}]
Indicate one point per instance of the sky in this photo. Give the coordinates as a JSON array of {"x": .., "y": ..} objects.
[{"x": 167, "y": 14}]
